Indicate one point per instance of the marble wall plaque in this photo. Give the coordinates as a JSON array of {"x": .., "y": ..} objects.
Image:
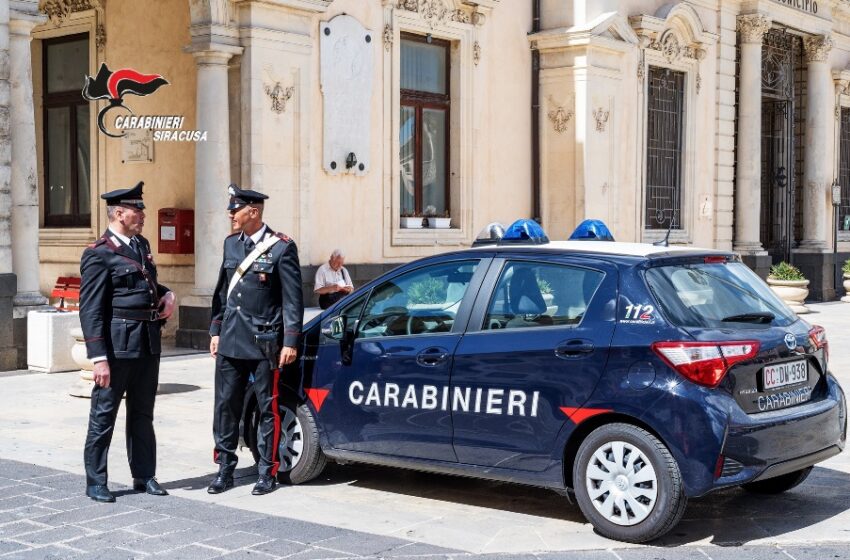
[
  {"x": 346, "y": 78},
  {"x": 137, "y": 146}
]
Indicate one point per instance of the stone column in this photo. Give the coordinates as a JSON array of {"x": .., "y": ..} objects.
[
  {"x": 8, "y": 283},
  {"x": 212, "y": 169},
  {"x": 24, "y": 178},
  {"x": 752, "y": 28},
  {"x": 817, "y": 169},
  {"x": 5, "y": 145}
]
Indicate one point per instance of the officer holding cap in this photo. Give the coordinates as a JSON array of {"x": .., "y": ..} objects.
[
  {"x": 122, "y": 307},
  {"x": 257, "y": 311}
]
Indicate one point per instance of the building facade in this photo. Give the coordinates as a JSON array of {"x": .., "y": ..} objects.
[{"x": 724, "y": 122}]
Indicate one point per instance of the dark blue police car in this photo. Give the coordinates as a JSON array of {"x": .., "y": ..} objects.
[{"x": 634, "y": 375}]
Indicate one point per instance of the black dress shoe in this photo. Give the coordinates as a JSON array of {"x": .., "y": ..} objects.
[
  {"x": 264, "y": 485},
  {"x": 149, "y": 485},
  {"x": 221, "y": 483},
  {"x": 100, "y": 494}
]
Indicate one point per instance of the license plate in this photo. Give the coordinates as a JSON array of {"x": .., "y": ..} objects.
[{"x": 789, "y": 373}]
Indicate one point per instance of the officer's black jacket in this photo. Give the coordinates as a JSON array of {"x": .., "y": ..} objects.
[
  {"x": 115, "y": 283},
  {"x": 268, "y": 297}
]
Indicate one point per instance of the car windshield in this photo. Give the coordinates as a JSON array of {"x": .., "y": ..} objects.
[{"x": 716, "y": 295}]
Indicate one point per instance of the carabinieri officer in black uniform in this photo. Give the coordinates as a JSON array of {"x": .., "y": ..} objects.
[
  {"x": 122, "y": 307},
  {"x": 257, "y": 308}
]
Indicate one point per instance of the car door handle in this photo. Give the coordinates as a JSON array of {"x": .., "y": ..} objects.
[
  {"x": 574, "y": 349},
  {"x": 432, "y": 357}
]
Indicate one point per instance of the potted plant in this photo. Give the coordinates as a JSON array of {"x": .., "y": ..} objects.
[
  {"x": 440, "y": 222},
  {"x": 410, "y": 220},
  {"x": 846, "y": 270},
  {"x": 790, "y": 285}
]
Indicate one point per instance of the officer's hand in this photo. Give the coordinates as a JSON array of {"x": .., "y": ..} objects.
[
  {"x": 101, "y": 374},
  {"x": 287, "y": 356},
  {"x": 214, "y": 346},
  {"x": 166, "y": 305}
]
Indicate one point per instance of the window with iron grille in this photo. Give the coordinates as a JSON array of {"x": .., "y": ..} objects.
[
  {"x": 424, "y": 132},
  {"x": 67, "y": 197},
  {"x": 844, "y": 173},
  {"x": 665, "y": 120}
]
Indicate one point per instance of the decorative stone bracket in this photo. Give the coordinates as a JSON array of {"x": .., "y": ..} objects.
[{"x": 59, "y": 10}]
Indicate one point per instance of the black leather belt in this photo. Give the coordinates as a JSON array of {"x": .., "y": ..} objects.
[{"x": 135, "y": 314}]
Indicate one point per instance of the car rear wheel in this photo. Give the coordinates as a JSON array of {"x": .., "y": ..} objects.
[
  {"x": 627, "y": 484},
  {"x": 779, "y": 484}
]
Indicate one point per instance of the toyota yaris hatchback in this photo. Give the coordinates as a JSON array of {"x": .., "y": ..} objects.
[{"x": 635, "y": 376}]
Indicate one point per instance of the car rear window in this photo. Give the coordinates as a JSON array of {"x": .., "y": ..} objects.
[{"x": 716, "y": 295}]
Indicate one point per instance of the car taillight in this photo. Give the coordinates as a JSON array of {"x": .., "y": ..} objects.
[
  {"x": 705, "y": 363},
  {"x": 817, "y": 335}
]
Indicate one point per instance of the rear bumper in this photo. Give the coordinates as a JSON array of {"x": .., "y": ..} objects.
[{"x": 762, "y": 446}]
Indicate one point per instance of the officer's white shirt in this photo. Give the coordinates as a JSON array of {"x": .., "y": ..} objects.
[{"x": 258, "y": 235}]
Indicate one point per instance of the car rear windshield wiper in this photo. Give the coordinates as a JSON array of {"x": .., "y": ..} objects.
[{"x": 761, "y": 317}]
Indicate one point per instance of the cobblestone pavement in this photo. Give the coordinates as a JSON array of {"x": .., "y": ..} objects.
[{"x": 44, "y": 515}]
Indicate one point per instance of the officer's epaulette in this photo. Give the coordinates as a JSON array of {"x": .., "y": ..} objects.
[
  {"x": 284, "y": 237},
  {"x": 96, "y": 242}
]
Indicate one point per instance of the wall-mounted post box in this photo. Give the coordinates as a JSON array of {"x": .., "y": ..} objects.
[{"x": 176, "y": 231}]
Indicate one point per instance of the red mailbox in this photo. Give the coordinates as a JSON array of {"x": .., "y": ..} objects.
[{"x": 176, "y": 231}]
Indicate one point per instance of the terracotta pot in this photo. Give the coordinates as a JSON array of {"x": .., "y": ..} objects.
[
  {"x": 846, "y": 288},
  {"x": 792, "y": 292}
]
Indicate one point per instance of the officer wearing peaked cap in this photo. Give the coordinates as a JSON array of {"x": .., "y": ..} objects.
[
  {"x": 122, "y": 307},
  {"x": 257, "y": 311}
]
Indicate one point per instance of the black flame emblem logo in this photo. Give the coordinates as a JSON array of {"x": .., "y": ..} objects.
[{"x": 115, "y": 85}]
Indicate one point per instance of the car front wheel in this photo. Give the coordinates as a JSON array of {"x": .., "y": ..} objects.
[{"x": 627, "y": 484}]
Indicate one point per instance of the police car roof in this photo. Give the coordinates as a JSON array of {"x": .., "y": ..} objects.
[{"x": 604, "y": 247}]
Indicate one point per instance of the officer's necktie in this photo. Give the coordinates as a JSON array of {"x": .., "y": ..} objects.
[
  {"x": 249, "y": 245},
  {"x": 134, "y": 245}
]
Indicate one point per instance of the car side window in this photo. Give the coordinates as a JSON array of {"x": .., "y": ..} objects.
[
  {"x": 423, "y": 301},
  {"x": 531, "y": 294}
]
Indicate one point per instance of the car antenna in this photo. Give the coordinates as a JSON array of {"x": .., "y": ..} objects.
[{"x": 666, "y": 241}]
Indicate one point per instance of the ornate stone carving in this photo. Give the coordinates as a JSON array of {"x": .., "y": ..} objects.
[
  {"x": 476, "y": 52},
  {"x": 279, "y": 96},
  {"x": 601, "y": 116},
  {"x": 560, "y": 118},
  {"x": 388, "y": 37},
  {"x": 100, "y": 37},
  {"x": 432, "y": 11},
  {"x": 641, "y": 72},
  {"x": 699, "y": 83},
  {"x": 817, "y": 48},
  {"x": 461, "y": 16},
  {"x": 58, "y": 10},
  {"x": 752, "y": 27},
  {"x": 670, "y": 46}
]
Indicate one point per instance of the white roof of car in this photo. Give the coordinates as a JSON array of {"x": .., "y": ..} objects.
[{"x": 607, "y": 247}]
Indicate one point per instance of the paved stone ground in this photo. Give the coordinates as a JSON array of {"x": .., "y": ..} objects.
[{"x": 43, "y": 515}]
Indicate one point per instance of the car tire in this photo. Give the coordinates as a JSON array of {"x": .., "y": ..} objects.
[
  {"x": 627, "y": 484},
  {"x": 300, "y": 454},
  {"x": 778, "y": 484}
]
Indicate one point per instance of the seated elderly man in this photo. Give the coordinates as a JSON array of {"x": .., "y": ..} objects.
[{"x": 332, "y": 280}]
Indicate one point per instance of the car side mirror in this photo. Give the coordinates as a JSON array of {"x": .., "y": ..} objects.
[{"x": 335, "y": 329}]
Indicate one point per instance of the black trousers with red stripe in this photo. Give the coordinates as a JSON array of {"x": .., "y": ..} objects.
[
  {"x": 138, "y": 378},
  {"x": 231, "y": 379}
]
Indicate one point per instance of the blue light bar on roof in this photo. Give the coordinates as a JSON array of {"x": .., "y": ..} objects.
[
  {"x": 592, "y": 230},
  {"x": 525, "y": 232}
]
